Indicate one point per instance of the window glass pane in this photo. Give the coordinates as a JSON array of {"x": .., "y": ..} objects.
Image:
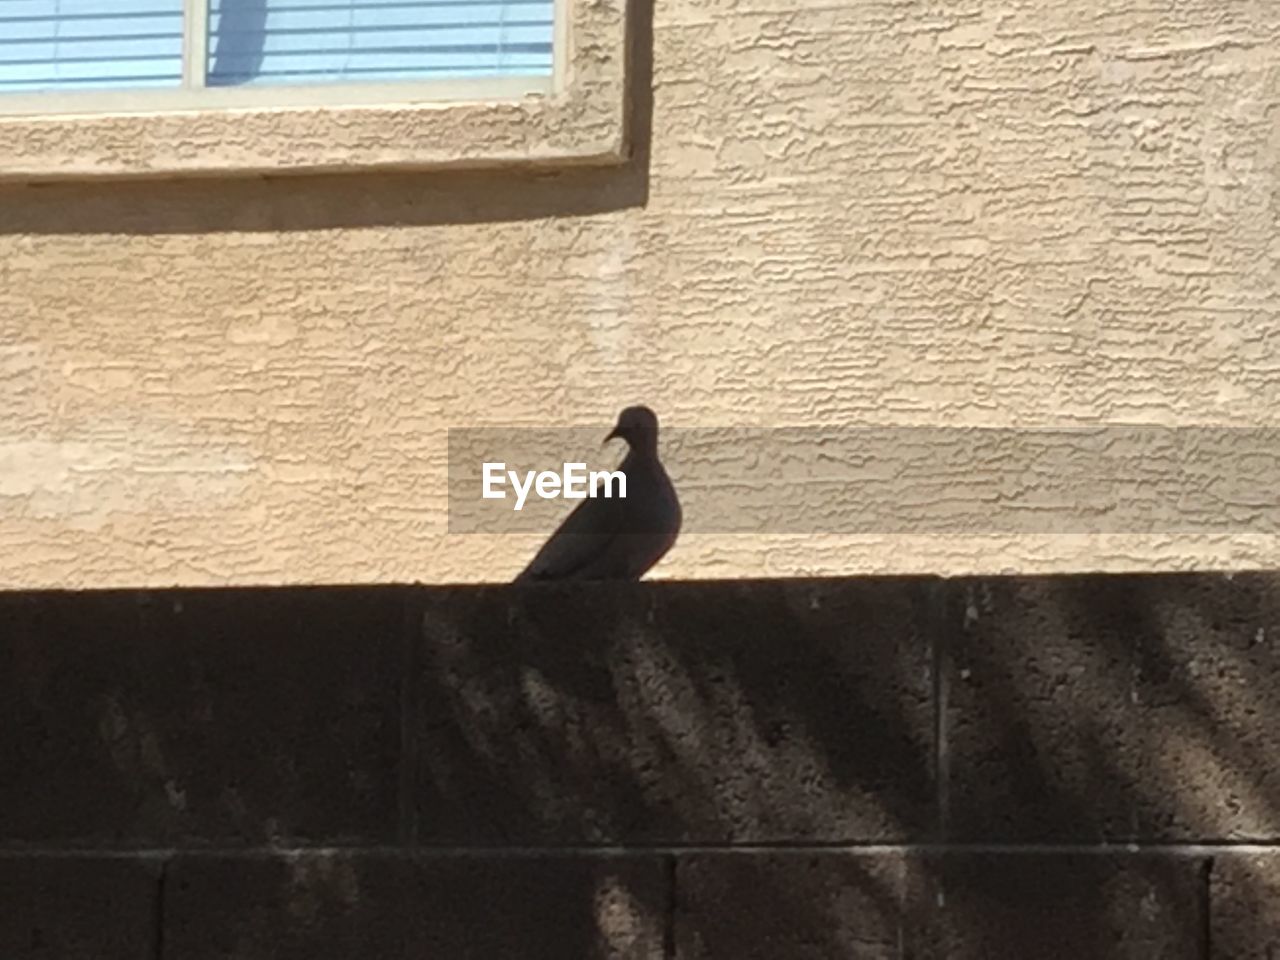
[
  {"x": 317, "y": 41},
  {"x": 84, "y": 44}
]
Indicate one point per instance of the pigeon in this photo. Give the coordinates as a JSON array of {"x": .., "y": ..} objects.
[{"x": 615, "y": 538}]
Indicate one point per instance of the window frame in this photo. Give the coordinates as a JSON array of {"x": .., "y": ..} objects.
[{"x": 577, "y": 115}]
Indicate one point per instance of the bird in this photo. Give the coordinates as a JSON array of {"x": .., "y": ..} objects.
[{"x": 616, "y": 538}]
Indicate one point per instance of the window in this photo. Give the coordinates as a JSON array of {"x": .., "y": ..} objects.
[
  {"x": 77, "y": 55},
  {"x": 83, "y": 44},
  {"x": 161, "y": 88}
]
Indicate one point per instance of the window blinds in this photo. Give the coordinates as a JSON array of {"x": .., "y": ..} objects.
[
  {"x": 85, "y": 44},
  {"x": 65, "y": 45},
  {"x": 315, "y": 41}
]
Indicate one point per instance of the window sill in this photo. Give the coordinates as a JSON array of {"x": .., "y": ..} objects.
[{"x": 583, "y": 122}]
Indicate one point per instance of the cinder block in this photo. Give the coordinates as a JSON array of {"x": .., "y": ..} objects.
[
  {"x": 1244, "y": 906},
  {"x": 949, "y": 906},
  {"x": 691, "y": 712},
  {"x": 790, "y": 906},
  {"x": 1118, "y": 708},
  {"x": 1057, "y": 907},
  {"x": 196, "y": 717},
  {"x": 77, "y": 908},
  {"x": 319, "y": 906}
]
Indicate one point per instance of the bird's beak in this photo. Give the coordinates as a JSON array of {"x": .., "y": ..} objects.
[{"x": 613, "y": 434}]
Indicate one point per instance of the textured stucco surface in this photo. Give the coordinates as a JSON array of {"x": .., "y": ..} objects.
[{"x": 886, "y": 212}]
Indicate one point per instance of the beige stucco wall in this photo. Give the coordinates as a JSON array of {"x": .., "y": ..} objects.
[{"x": 880, "y": 212}]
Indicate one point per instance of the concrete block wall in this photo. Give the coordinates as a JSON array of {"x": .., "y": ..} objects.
[{"x": 1074, "y": 767}]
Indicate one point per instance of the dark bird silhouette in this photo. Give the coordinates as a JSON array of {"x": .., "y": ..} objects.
[{"x": 615, "y": 538}]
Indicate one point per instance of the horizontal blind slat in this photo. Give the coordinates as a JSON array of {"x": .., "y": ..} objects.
[
  {"x": 78, "y": 44},
  {"x": 339, "y": 21},
  {"x": 317, "y": 41},
  {"x": 515, "y": 38},
  {"x": 359, "y": 7}
]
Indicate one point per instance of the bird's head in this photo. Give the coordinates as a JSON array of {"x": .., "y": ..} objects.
[{"x": 638, "y": 426}]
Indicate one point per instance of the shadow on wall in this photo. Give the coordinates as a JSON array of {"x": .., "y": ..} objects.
[
  {"x": 795, "y": 723},
  {"x": 757, "y": 770},
  {"x": 748, "y": 714},
  {"x": 322, "y": 202},
  {"x": 691, "y": 716},
  {"x": 238, "y": 52}
]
